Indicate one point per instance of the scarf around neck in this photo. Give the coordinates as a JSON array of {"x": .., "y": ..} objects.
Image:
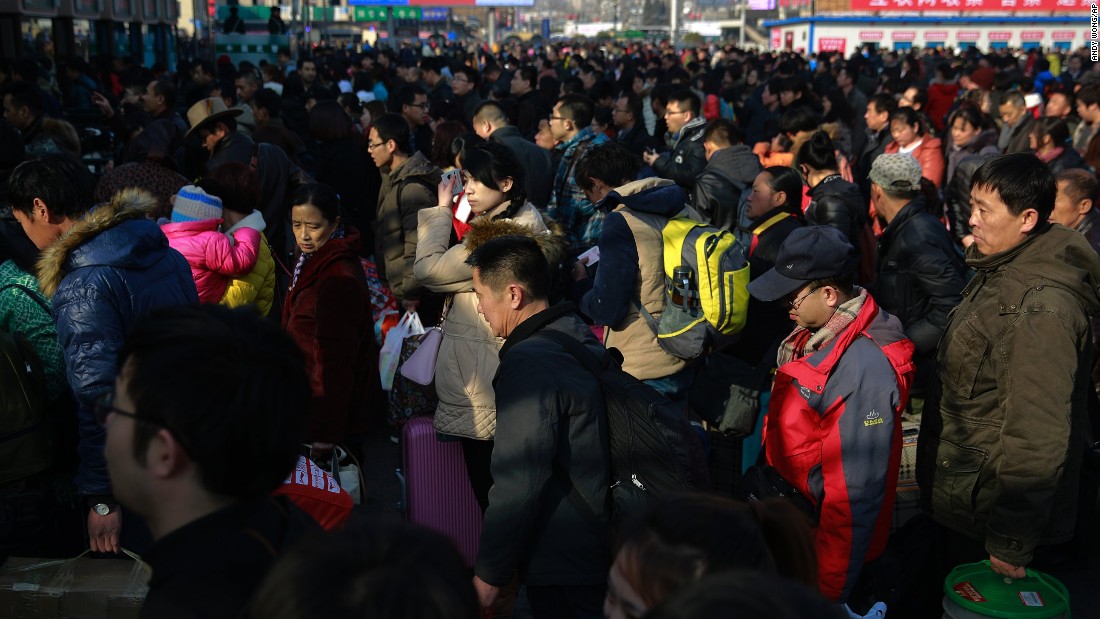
[
  {"x": 338, "y": 233},
  {"x": 802, "y": 342}
]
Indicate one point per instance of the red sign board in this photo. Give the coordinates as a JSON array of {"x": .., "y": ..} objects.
[
  {"x": 1031, "y": 35},
  {"x": 968, "y": 35},
  {"x": 831, "y": 45},
  {"x": 999, "y": 6},
  {"x": 935, "y": 35},
  {"x": 870, "y": 35},
  {"x": 1000, "y": 36},
  {"x": 1063, "y": 35},
  {"x": 777, "y": 38},
  {"x": 904, "y": 35}
]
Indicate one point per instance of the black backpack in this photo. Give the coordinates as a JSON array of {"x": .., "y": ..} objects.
[
  {"x": 655, "y": 452},
  {"x": 26, "y": 447}
]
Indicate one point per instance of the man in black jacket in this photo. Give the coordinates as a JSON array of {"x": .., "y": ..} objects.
[
  {"x": 921, "y": 272},
  {"x": 491, "y": 123},
  {"x": 551, "y": 426},
  {"x": 731, "y": 167},
  {"x": 879, "y": 110},
  {"x": 685, "y": 158},
  {"x": 530, "y": 105},
  {"x": 184, "y": 371},
  {"x": 628, "y": 119}
]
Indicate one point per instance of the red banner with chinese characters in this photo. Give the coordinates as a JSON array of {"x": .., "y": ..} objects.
[
  {"x": 777, "y": 38},
  {"x": 935, "y": 35},
  {"x": 1000, "y": 36},
  {"x": 870, "y": 35},
  {"x": 972, "y": 5},
  {"x": 904, "y": 35},
  {"x": 968, "y": 35},
  {"x": 1063, "y": 35},
  {"x": 831, "y": 45},
  {"x": 1031, "y": 35}
]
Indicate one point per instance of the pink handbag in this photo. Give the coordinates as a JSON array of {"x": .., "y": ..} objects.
[{"x": 420, "y": 366}]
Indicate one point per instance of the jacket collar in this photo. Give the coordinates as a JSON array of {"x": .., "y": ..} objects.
[
  {"x": 572, "y": 143},
  {"x": 692, "y": 124},
  {"x": 534, "y": 324},
  {"x": 981, "y": 262},
  {"x": 1088, "y": 222},
  {"x": 813, "y": 371},
  {"x": 907, "y": 212}
]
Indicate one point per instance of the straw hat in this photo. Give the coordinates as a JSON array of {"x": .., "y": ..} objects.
[{"x": 207, "y": 112}]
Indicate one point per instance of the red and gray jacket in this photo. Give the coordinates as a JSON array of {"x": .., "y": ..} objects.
[{"x": 833, "y": 432}]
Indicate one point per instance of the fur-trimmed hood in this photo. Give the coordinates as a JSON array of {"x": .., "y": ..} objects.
[
  {"x": 551, "y": 242},
  {"x": 116, "y": 233}
]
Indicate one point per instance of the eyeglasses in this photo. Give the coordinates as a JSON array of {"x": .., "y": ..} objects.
[
  {"x": 105, "y": 405},
  {"x": 552, "y": 118},
  {"x": 795, "y": 303},
  {"x": 616, "y": 110},
  {"x": 458, "y": 81},
  {"x": 371, "y": 147},
  {"x": 422, "y": 106}
]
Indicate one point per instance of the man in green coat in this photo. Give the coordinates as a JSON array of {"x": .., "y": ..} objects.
[{"x": 1002, "y": 434}]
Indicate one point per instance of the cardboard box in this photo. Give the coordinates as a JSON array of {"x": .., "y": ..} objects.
[{"x": 81, "y": 588}]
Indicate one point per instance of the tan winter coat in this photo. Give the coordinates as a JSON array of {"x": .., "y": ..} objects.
[
  {"x": 395, "y": 228},
  {"x": 467, "y": 358}
]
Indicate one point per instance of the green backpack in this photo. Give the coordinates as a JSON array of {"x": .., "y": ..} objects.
[
  {"x": 706, "y": 288},
  {"x": 26, "y": 447}
]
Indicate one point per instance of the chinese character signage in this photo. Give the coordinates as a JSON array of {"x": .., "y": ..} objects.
[
  {"x": 904, "y": 35},
  {"x": 776, "y": 38},
  {"x": 831, "y": 45},
  {"x": 369, "y": 13},
  {"x": 935, "y": 35},
  {"x": 1000, "y": 36},
  {"x": 1063, "y": 35},
  {"x": 972, "y": 5},
  {"x": 968, "y": 35},
  {"x": 870, "y": 35},
  {"x": 1031, "y": 35}
]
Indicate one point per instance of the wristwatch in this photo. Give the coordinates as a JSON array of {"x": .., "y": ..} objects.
[
  {"x": 102, "y": 504},
  {"x": 103, "y": 509}
]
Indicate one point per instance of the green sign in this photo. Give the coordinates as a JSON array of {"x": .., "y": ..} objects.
[
  {"x": 369, "y": 13},
  {"x": 247, "y": 13},
  {"x": 407, "y": 12},
  {"x": 321, "y": 13}
]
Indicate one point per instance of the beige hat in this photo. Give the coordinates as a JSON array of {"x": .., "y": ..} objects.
[{"x": 208, "y": 111}]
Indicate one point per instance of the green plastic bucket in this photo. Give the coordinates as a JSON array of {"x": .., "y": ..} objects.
[{"x": 974, "y": 591}]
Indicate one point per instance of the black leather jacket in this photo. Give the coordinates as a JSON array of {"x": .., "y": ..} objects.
[
  {"x": 921, "y": 274},
  {"x": 718, "y": 189},
  {"x": 836, "y": 202}
]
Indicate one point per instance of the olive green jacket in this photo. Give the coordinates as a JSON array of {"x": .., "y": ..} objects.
[{"x": 1003, "y": 431}]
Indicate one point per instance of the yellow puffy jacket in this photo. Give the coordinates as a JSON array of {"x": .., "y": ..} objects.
[{"x": 258, "y": 286}]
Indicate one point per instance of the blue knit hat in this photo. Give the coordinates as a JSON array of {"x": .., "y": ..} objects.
[{"x": 194, "y": 204}]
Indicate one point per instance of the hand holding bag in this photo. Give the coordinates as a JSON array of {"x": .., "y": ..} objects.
[{"x": 390, "y": 355}]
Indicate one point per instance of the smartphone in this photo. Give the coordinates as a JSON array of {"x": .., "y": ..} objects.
[
  {"x": 457, "y": 175},
  {"x": 651, "y": 150}
]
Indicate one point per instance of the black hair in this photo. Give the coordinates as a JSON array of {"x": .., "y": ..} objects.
[
  {"x": 165, "y": 89},
  {"x": 798, "y": 119},
  {"x": 1089, "y": 95},
  {"x": 969, "y": 114},
  {"x": 910, "y": 117},
  {"x": 380, "y": 569},
  {"x": 26, "y": 95},
  {"x": 722, "y": 132},
  {"x": 1014, "y": 98},
  {"x": 350, "y": 101},
  {"x": 819, "y": 153},
  {"x": 528, "y": 74},
  {"x": 572, "y": 85},
  {"x": 602, "y": 116},
  {"x": 443, "y": 141},
  {"x": 1056, "y": 128},
  {"x": 755, "y": 595},
  {"x": 660, "y": 93},
  {"x": 633, "y": 105},
  {"x": 61, "y": 182},
  {"x": 688, "y": 100},
  {"x": 884, "y": 103},
  {"x": 509, "y": 259},
  {"x": 206, "y": 66},
  {"x": 431, "y": 63},
  {"x": 238, "y": 187},
  {"x": 787, "y": 180},
  {"x": 1021, "y": 180},
  {"x": 611, "y": 163},
  {"x": 577, "y": 108},
  {"x": 230, "y": 386},
  {"x": 489, "y": 163},
  {"x": 491, "y": 111},
  {"x": 328, "y": 121},
  {"x": 920, "y": 99},
  {"x": 393, "y": 127},
  {"x": 844, "y": 282},
  {"x": 471, "y": 74},
  {"x": 321, "y": 196},
  {"x": 1079, "y": 185},
  {"x": 269, "y": 101},
  {"x": 406, "y": 96},
  {"x": 839, "y": 109}
]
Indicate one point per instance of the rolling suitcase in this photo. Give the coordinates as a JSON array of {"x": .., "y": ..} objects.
[{"x": 435, "y": 488}]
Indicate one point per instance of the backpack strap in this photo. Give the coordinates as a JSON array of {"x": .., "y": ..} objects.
[
  {"x": 592, "y": 363},
  {"x": 35, "y": 296},
  {"x": 762, "y": 228}
]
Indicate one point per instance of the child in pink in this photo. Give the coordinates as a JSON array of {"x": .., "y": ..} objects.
[{"x": 214, "y": 257}]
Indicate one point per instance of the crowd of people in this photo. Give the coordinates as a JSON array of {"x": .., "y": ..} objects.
[{"x": 191, "y": 256}]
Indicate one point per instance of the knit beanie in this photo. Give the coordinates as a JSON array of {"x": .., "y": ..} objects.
[{"x": 194, "y": 204}]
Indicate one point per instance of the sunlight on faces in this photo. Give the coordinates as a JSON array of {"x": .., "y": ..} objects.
[
  {"x": 995, "y": 229},
  {"x": 1066, "y": 211},
  {"x": 492, "y": 305},
  {"x": 481, "y": 197},
  {"x": 311, "y": 229},
  {"x": 904, "y": 134},
  {"x": 963, "y": 133}
]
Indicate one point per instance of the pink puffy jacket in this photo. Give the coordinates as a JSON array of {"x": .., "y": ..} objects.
[{"x": 213, "y": 257}]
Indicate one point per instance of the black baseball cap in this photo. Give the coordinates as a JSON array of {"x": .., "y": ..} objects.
[{"x": 814, "y": 252}]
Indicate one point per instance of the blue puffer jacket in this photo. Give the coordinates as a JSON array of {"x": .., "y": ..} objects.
[{"x": 112, "y": 267}]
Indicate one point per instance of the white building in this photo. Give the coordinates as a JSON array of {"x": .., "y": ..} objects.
[{"x": 899, "y": 32}]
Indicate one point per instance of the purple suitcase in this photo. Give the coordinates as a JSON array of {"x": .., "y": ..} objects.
[{"x": 436, "y": 489}]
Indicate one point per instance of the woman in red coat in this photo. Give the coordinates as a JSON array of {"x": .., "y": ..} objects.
[
  {"x": 911, "y": 137},
  {"x": 327, "y": 312}
]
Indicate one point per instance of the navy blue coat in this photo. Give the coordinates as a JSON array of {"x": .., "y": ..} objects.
[{"x": 112, "y": 267}]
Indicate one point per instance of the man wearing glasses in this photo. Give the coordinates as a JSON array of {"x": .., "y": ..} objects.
[
  {"x": 833, "y": 429},
  {"x": 626, "y": 114},
  {"x": 685, "y": 158},
  {"x": 202, "y": 424},
  {"x": 413, "y": 104},
  {"x": 464, "y": 84}
]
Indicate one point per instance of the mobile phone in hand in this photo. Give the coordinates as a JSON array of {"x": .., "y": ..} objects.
[{"x": 457, "y": 175}]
